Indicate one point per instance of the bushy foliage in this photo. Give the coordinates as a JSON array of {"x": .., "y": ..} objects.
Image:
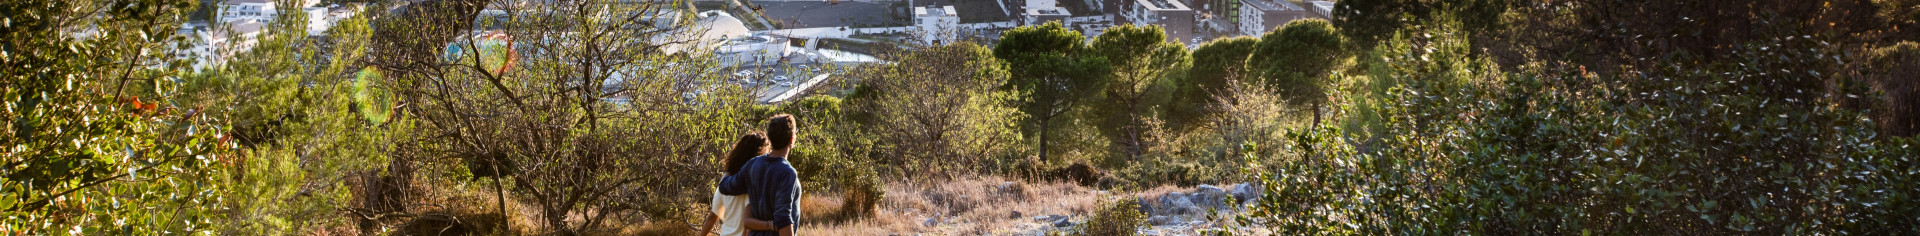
[
  {"x": 1891, "y": 73},
  {"x": 1055, "y": 70},
  {"x": 834, "y": 155},
  {"x": 1146, "y": 71},
  {"x": 1295, "y": 61},
  {"x": 584, "y": 122},
  {"x": 937, "y": 110},
  {"x": 1463, "y": 148},
  {"x": 301, "y": 141},
  {"x": 1115, "y": 217},
  {"x": 1217, "y": 65},
  {"x": 98, "y": 137},
  {"x": 1367, "y": 22}
]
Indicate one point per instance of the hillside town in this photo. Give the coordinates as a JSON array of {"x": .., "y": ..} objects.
[
  {"x": 781, "y": 47},
  {"x": 959, "y": 117}
]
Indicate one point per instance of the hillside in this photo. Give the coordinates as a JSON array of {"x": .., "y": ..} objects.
[{"x": 603, "y": 117}]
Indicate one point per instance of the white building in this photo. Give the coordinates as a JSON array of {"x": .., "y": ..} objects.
[
  {"x": 1041, "y": 11},
  {"x": 1259, "y": 16},
  {"x": 1173, "y": 16},
  {"x": 1325, "y": 8},
  {"x": 936, "y": 25},
  {"x": 245, "y": 10},
  {"x": 319, "y": 19},
  {"x": 317, "y": 23},
  {"x": 215, "y": 44}
]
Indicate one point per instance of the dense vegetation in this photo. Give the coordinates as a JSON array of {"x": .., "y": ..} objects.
[{"x": 1393, "y": 117}]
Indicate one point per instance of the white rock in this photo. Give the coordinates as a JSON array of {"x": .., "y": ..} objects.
[
  {"x": 1049, "y": 218},
  {"x": 1245, "y": 192},
  {"x": 1145, "y": 206},
  {"x": 1161, "y": 220},
  {"x": 1208, "y": 196},
  {"x": 1176, "y": 203}
]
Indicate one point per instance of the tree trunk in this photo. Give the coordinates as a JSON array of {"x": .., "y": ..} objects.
[
  {"x": 1043, "y": 139},
  {"x": 1316, "y": 115},
  {"x": 500, "y": 197}
]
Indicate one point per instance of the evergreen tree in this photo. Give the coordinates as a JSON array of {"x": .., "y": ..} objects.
[
  {"x": 1142, "y": 60},
  {"x": 1055, "y": 70},
  {"x": 1296, "y": 62}
]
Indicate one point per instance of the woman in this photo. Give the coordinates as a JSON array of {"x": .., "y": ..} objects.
[{"x": 731, "y": 211}]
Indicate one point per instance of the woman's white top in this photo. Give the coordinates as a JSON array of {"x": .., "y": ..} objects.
[{"x": 732, "y": 209}]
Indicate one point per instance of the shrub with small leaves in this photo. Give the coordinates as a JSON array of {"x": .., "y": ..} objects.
[{"x": 1117, "y": 217}]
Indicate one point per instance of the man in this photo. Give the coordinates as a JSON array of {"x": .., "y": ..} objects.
[{"x": 770, "y": 183}]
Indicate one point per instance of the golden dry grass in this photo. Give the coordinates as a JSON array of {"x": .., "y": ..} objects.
[
  {"x": 972, "y": 205},
  {"x": 968, "y": 205}
]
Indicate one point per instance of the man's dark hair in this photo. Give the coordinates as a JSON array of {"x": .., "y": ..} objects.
[
  {"x": 751, "y": 145},
  {"x": 780, "y": 130}
]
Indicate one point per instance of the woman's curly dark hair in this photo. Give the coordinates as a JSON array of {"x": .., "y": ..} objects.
[{"x": 751, "y": 145}]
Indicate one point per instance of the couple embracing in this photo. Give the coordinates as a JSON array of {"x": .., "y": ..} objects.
[{"x": 759, "y": 194}]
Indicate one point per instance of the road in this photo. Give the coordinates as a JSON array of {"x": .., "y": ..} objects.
[{"x": 806, "y": 14}]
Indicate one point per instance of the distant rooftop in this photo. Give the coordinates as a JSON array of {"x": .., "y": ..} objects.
[
  {"x": 1273, "y": 5},
  {"x": 1159, "y": 5},
  {"x": 249, "y": 1},
  {"x": 248, "y": 27},
  {"x": 1322, "y": 4},
  {"x": 238, "y": 28},
  {"x": 1042, "y": 4},
  {"x": 935, "y": 11}
]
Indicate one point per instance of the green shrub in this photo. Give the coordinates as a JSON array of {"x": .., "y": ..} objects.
[
  {"x": 863, "y": 191},
  {"x": 1118, "y": 217},
  {"x": 1701, "y": 147}
]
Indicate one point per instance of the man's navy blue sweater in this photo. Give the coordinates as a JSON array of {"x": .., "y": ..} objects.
[{"x": 772, "y": 188}]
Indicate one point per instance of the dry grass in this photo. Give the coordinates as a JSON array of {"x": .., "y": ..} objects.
[
  {"x": 970, "y": 205},
  {"x": 966, "y": 206}
]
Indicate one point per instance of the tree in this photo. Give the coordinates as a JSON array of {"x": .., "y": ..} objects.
[
  {"x": 1296, "y": 61},
  {"x": 1142, "y": 60},
  {"x": 936, "y": 110},
  {"x": 98, "y": 138},
  {"x": 1054, "y": 68},
  {"x": 582, "y": 119},
  {"x": 1217, "y": 65},
  {"x": 1892, "y": 70},
  {"x": 1367, "y": 22},
  {"x": 1467, "y": 148},
  {"x": 291, "y": 99}
]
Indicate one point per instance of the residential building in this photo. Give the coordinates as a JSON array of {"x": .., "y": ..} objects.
[
  {"x": 317, "y": 23},
  {"x": 1218, "y": 15},
  {"x": 319, "y": 19},
  {"x": 1041, "y": 11},
  {"x": 256, "y": 10},
  {"x": 1325, "y": 8},
  {"x": 936, "y": 25},
  {"x": 1259, "y": 16},
  {"x": 248, "y": 10},
  {"x": 1175, "y": 17},
  {"x": 215, "y": 44}
]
